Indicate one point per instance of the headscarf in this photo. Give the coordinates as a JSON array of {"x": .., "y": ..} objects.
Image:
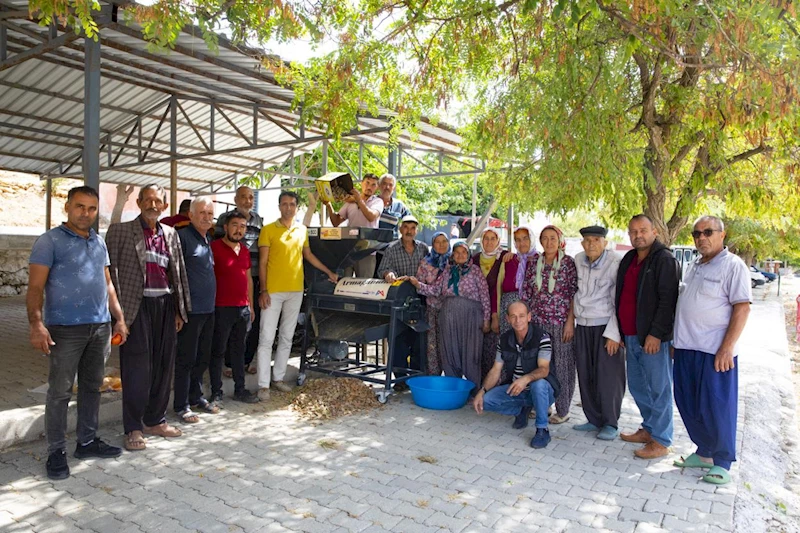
[
  {"x": 456, "y": 271},
  {"x": 562, "y": 244},
  {"x": 523, "y": 258},
  {"x": 497, "y": 251},
  {"x": 435, "y": 259}
]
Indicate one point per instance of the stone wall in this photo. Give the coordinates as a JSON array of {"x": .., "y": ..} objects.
[{"x": 14, "y": 253}]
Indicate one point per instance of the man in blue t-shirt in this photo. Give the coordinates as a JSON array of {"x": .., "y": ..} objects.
[
  {"x": 69, "y": 264},
  {"x": 193, "y": 351}
]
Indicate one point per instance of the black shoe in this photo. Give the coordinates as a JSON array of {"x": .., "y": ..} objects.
[
  {"x": 57, "y": 467},
  {"x": 97, "y": 448},
  {"x": 245, "y": 396},
  {"x": 541, "y": 439},
  {"x": 401, "y": 387},
  {"x": 521, "y": 420}
]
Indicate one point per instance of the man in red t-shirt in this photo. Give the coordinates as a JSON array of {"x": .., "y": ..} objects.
[
  {"x": 233, "y": 312},
  {"x": 647, "y": 293}
]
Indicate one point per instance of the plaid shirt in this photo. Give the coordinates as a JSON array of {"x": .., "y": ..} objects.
[{"x": 397, "y": 260}]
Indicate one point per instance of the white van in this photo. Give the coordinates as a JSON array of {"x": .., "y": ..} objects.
[{"x": 684, "y": 255}]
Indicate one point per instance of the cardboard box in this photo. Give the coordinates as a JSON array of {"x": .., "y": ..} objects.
[{"x": 334, "y": 186}]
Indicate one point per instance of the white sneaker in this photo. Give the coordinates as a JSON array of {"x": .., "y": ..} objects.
[
  {"x": 282, "y": 386},
  {"x": 263, "y": 394}
]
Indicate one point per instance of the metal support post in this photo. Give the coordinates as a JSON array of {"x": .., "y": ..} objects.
[
  {"x": 3, "y": 43},
  {"x": 211, "y": 128},
  {"x": 510, "y": 222},
  {"x": 360, "y": 160},
  {"x": 48, "y": 209},
  {"x": 392, "y": 164},
  {"x": 474, "y": 198},
  {"x": 322, "y": 213},
  {"x": 173, "y": 150},
  {"x": 91, "y": 115}
]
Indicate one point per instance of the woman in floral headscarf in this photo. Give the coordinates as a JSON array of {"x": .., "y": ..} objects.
[
  {"x": 489, "y": 260},
  {"x": 430, "y": 268},
  {"x": 464, "y": 314},
  {"x": 551, "y": 282},
  {"x": 512, "y": 273}
]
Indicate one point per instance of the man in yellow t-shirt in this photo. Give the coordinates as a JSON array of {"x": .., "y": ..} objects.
[{"x": 282, "y": 246}]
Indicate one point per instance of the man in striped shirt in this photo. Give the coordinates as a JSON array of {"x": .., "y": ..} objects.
[{"x": 520, "y": 380}]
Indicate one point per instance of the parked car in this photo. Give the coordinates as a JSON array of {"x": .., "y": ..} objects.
[
  {"x": 756, "y": 277},
  {"x": 771, "y": 276}
]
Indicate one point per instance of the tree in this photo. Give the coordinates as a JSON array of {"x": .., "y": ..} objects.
[{"x": 626, "y": 106}]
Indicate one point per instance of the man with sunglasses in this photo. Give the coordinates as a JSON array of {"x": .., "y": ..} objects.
[{"x": 712, "y": 311}]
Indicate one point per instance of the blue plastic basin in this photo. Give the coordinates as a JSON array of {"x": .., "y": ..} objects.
[{"x": 440, "y": 392}]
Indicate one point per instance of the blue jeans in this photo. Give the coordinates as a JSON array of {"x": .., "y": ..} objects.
[
  {"x": 650, "y": 383},
  {"x": 82, "y": 349},
  {"x": 540, "y": 396}
]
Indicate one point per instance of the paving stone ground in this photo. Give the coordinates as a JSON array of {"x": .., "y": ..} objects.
[{"x": 261, "y": 469}]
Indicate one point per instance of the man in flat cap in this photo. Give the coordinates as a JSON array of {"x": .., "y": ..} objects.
[{"x": 600, "y": 358}]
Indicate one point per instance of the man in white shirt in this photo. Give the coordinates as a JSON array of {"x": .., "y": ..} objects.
[
  {"x": 712, "y": 311},
  {"x": 600, "y": 357},
  {"x": 360, "y": 211}
]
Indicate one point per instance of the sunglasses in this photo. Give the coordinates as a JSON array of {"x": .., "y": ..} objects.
[{"x": 707, "y": 232}]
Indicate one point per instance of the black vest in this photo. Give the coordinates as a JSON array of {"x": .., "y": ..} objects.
[{"x": 529, "y": 351}]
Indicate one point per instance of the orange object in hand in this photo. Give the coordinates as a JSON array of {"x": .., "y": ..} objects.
[{"x": 116, "y": 340}]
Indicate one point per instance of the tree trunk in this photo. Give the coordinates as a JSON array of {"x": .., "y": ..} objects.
[
  {"x": 123, "y": 193},
  {"x": 655, "y": 193}
]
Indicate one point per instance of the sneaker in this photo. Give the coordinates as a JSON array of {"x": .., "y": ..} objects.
[
  {"x": 245, "y": 396},
  {"x": 218, "y": 399},
  {"x": 521, "y": 420},
  {"x": 263, "y": 394},
  {"x": 608, "y": 433},
  {"x": 642, "y": 436},
  {"x": 281, "y": 386},
  {"x": 97, "y": 448},
  {"x": 588, "y": 426},
  {"x": 541, "y": 439},
  {"x": 57, "y": 467}
]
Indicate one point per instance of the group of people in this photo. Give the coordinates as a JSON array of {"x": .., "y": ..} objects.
[{"x": 520, "y": 325}]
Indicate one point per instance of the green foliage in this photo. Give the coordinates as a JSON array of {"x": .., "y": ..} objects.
[{"x": 659, "y": 106}]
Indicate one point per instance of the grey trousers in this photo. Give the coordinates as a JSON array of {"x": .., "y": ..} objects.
[
  {"x": 601, "y": 377},
  {"x": 82, "y": 349}
]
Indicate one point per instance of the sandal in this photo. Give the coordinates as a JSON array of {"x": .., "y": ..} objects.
[
  {"x": 162, "y": 430},
  {"x": 692, "y": 461},
  {"x": 252, "y": 369},
  {"x": 135, "y": 441},
  {"x": 188, "y": 417},
  {"x": 228, "y": 373},
  {"x": 717, "y": 476},
  {"x": 206, "y": 406},
  {"x": 555, "y": 419}
]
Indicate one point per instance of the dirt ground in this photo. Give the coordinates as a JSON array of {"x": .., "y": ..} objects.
[
  {"x": 789, "y": 298},
  {"x": 24, "y": 200}
]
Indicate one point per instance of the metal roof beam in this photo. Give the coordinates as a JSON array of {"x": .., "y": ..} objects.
[
  {"x": 38, "y": 50},
  {"x": 9, "y": 15}
]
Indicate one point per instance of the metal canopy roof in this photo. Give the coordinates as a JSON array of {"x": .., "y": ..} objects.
[{"x": 216, "y": 115}]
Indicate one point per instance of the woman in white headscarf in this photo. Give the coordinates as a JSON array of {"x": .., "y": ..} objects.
[
  {"x": 490, "y": 259},
  {"x": 512, "y": 273}
]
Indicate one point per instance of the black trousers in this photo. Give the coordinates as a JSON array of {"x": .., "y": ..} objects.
[
  {"x": 251, "y": 343},
  {"x": 147, "y": 363},
  {"x": 230, "y": 332},
  {"x": 601, "y": 377},
  {"x": 191, "y": 360}
]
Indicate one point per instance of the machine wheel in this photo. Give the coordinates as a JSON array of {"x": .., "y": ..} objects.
[
  {"x": 301, "y": 379},
  {"x": 383, "y": 396}
]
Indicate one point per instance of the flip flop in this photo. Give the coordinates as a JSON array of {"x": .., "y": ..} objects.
[
  {"x": 135, "y": 444},
  {"x": 189, "y": 417},
  {"x": 228, "y": 373},
  {"x": 162, "y": 430},
  {"x": 717, "y": 476},
  {"x": 692, "y": 461},
  {"x": 206, "y": 406}
]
